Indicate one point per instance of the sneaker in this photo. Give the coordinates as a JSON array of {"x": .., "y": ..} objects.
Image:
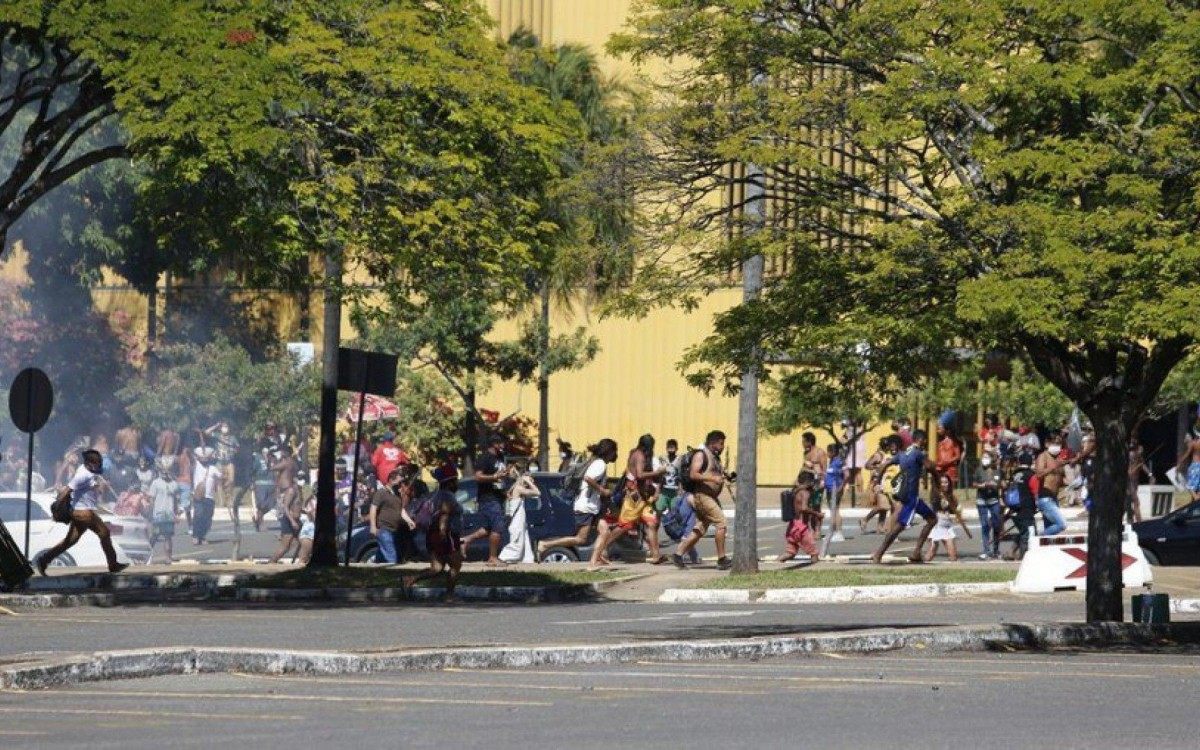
[
  {"x": 678, "y": 560},
  {"x": 118, "y": 567},
  {"x": 724, "y": 563},
  {"x": 837, "y": 537},
  {"x": 985, "y": 556}
]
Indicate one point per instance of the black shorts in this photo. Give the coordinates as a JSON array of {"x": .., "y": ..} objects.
[
  {"x": 584, "y": 519},
  {"x": 286, "y": 527}
]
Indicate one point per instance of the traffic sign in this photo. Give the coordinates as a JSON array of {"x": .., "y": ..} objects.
[{"x": 30, "y": 400}]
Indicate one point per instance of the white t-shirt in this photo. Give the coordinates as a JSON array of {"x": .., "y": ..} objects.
[
  {"x": 589, "y": 498},
  {"x": 204, "y": 481},
  {"x": 85, "y": 489}
]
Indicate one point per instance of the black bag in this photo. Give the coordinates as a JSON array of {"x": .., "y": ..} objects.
[
  {"x": 14, "y": 568},
  {"x": 685, "y": 470},
  {"x": 60, "y": 510},
  {"x": 787, "y": 505}
]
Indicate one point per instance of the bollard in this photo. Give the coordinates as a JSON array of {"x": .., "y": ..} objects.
[{"x": 1151, "y": 608}]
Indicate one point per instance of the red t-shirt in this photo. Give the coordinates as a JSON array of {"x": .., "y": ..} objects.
[{"x": 387, "y": 457}]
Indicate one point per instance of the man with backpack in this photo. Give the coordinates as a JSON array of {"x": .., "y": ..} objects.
[
  {"x": 1020, "y": 503},
  {"x": 704, "y": 479},
  {"x": 440, "y": 516},
  {"x": 586, "y": 482},
  {"x": 913, "y": 462},
  {"x": 490, "y": 471}
]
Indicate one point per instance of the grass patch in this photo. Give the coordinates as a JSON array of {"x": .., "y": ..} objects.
[
  {"x": 363, "y": 578},
  {"x": 828, "y": 577}
]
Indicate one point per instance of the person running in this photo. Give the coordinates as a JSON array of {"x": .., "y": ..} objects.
[
  {"x": 879, "y": 499},
  {"x": 836, "y": 475},
  {"x": 288, "y": 503},
  {"x": 442, "y": 538},
  {"x": 592, "y": 492},
  {"x": 987, "y": 502},
  {"x": 637, "y": 507},
  {"x": 1049, "y": 469},
  {"x": 948, "y": 514},
  {"x": 490, "y": 470},
  {"x": 668, "y": 488},
  {"x": 84, "y": 492},
  {"x": 705, "y": 479},
  {"x": 800, "y": 535},
  {"x": 914, "y": 463},
  {"x": 1189, "y": 461}
]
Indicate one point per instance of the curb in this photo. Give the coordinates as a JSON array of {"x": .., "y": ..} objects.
[
  {"x": 831, "y": 594},
  {"x": 1184, "y": 606},
  {"x": 188, "y": 660},
  {"x": 253, "y": 595}
]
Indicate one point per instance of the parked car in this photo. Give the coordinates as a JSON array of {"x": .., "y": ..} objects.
[
  {"x": 548, "y": 516},
  {"x": 130, "y": 534},
  {"x": 1173, "y": 539}
]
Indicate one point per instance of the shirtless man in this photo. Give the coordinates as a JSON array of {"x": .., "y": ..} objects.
[
  {"x": 816, "y": 462},
  {"x": 1189, "y": 460},
  {"x": 706, "y": 480}
]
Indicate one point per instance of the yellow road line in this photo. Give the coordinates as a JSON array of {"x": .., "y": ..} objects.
[
  {"x": 523, "y": 686},
  {"x": 721, "y": 677},
  {"x": 311, "y": 698},
  {"x": 882, "y": 665},
  {"x": 128, "y": 712}
]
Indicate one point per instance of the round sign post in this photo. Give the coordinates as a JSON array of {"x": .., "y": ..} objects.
[{"x": 30, "y": 401}]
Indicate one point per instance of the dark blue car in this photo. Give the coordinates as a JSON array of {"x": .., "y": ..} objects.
[{"x": 1173, "y": 539}]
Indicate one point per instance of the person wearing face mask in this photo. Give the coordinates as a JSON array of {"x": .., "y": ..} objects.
[
  {"x": 987, "y": 502},
  {"x": 1050, "y": 471}
]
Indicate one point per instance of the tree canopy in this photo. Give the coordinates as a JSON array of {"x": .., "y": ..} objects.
[{"x": 941, "y": 175}]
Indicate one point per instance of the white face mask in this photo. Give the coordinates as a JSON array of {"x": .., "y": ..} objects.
[
  {"x": 1055, "y": 450},
  {"x": 986, "y": 462}
]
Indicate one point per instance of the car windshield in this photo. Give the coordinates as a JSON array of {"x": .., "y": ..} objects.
[
  {"x": 12, "y": 510},
  {"x": 1188, "y": 512}
]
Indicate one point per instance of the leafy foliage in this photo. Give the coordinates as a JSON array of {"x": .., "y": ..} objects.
[{"x": 198, "y": 384}]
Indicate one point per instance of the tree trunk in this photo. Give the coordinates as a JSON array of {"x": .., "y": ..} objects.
[
  {"x": 1110, "y": 495},
  {"x": 470, "y": 430},
  {"x": 324, "y": 552},
  {"x": 544, "y": 381}
]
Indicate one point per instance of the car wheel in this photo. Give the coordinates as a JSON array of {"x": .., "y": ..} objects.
[
  {"x": 62, "y": 561},
  {"x": 1150, "y": 557},
  {"x": 367, "y": 553},
  {"x": 560, "y": 555}
]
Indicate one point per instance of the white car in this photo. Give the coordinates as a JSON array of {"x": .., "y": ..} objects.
[{"x": 130, "y": 535}]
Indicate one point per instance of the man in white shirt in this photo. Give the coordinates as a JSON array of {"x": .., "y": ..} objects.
[
  {"x": 84, "y": 492},
  {"x": 587, "y": 502},
  {"x": 205, "y": 478}
]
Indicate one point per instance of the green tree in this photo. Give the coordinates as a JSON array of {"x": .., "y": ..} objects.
[
  {"x": 187, "y": 79},
  {"x": 198, "y": 384},
  {"x": 957, "y": 174}
]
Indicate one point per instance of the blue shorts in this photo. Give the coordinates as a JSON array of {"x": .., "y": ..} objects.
[
  {"x": 492, "y": 516},
  {"x": 914, "y": 506}
]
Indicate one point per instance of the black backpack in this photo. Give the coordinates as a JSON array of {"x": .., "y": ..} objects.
[
  {"x": 573, "y": 481},
  {"x": 685, "y": 469}
]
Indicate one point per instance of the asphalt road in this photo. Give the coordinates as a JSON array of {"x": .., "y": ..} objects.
[
  {"x": 905, "y": 699},
  {"x": 260, "y": 545},
  {"x": 390, "y": 627}
]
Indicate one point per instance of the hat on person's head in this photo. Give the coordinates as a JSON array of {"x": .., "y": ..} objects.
[
  {"x": 444, "y": 473},
  {"x": 389, "y": 437}
]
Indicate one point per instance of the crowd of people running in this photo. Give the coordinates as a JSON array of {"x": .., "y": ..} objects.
[{"x": 171, "y": 478}]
